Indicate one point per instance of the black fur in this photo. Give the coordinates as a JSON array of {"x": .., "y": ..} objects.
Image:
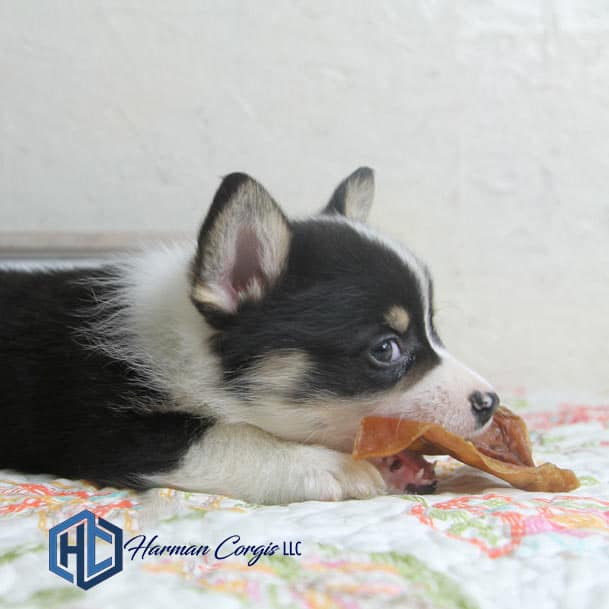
[
  {"x": 67, "y": 409},
  {"x": 330, "y": 303}
]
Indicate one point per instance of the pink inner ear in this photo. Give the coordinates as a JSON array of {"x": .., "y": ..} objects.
[{"x": 248, "y": 264}]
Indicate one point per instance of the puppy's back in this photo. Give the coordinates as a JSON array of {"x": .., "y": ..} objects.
[{"x": 67, "y": 408}]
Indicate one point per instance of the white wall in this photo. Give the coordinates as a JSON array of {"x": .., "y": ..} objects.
[{"x": 487, "y": 123}]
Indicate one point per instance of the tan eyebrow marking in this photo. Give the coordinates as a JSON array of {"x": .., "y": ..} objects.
[{"x": 397, "y": 317}]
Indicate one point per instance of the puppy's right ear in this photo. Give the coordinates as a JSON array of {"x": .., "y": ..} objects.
[
  {"x": 353, "y": 196},
  {"x": 242, "y": 248}
]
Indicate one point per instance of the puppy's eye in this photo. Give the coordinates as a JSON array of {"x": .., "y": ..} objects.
[{"x": 386, "y": 352}]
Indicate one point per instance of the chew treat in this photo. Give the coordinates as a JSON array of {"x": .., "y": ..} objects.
[
  {"x": 504, "y": 450},
  {"x": 506, "y": 439}
]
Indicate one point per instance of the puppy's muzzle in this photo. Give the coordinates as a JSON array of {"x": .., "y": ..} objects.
[{"x": 484, "y": 404}]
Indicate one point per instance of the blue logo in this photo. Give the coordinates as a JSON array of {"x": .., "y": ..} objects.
[{"x": 86, "y": 529}]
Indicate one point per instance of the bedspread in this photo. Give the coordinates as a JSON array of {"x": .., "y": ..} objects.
[{"x": 476, "y": 543}]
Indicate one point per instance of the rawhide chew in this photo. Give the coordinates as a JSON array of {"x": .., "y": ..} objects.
[{"x": 504, "y": 450}]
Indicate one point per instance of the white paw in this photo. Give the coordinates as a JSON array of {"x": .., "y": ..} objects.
[{"x": 328, "y": 475}]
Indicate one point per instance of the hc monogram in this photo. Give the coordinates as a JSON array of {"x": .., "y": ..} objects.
[{"x": 87, "y": 529}]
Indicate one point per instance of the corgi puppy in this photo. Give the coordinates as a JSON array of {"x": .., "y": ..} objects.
[{"x": 239, "y": 364}]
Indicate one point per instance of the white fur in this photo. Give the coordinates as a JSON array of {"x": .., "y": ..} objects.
[
  {"x": 441, "y": 396},
  {"x": 246, "y": 462},
  {"x": 359, "y": 195},
  {"x": 151, "y": 323}
]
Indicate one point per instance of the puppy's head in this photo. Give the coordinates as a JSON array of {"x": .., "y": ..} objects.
[{"x": 321, "y": 322}]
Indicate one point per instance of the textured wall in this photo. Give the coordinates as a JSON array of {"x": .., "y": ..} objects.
[{"x": 487, "y": 122}]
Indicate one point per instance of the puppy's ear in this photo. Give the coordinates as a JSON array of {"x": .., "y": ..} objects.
[
  {"x": 354, "y": 195},
  {"x": 242, "y": 249}
]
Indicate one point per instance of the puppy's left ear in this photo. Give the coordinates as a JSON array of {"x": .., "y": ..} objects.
[
  {"x": 242, "y": 248},
  {"x": 354, "y": 195}
]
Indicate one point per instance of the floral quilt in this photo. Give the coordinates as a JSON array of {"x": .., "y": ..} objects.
[{"x": 475, "y": 543}]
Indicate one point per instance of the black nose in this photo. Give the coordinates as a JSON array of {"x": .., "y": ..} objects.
[{"x": 484, "y": 405}]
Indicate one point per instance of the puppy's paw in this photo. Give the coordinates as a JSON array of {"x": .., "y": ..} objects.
[{"x": 328, "y": 475}]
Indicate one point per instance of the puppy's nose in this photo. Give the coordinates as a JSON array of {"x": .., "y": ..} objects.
[{"x": 484, "y": 404}]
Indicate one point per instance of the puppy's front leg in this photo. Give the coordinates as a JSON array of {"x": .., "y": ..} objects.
[{"x": 245, "y": 462}]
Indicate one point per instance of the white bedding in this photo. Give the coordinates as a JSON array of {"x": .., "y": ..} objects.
[{"x": 474, "y": 544}]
